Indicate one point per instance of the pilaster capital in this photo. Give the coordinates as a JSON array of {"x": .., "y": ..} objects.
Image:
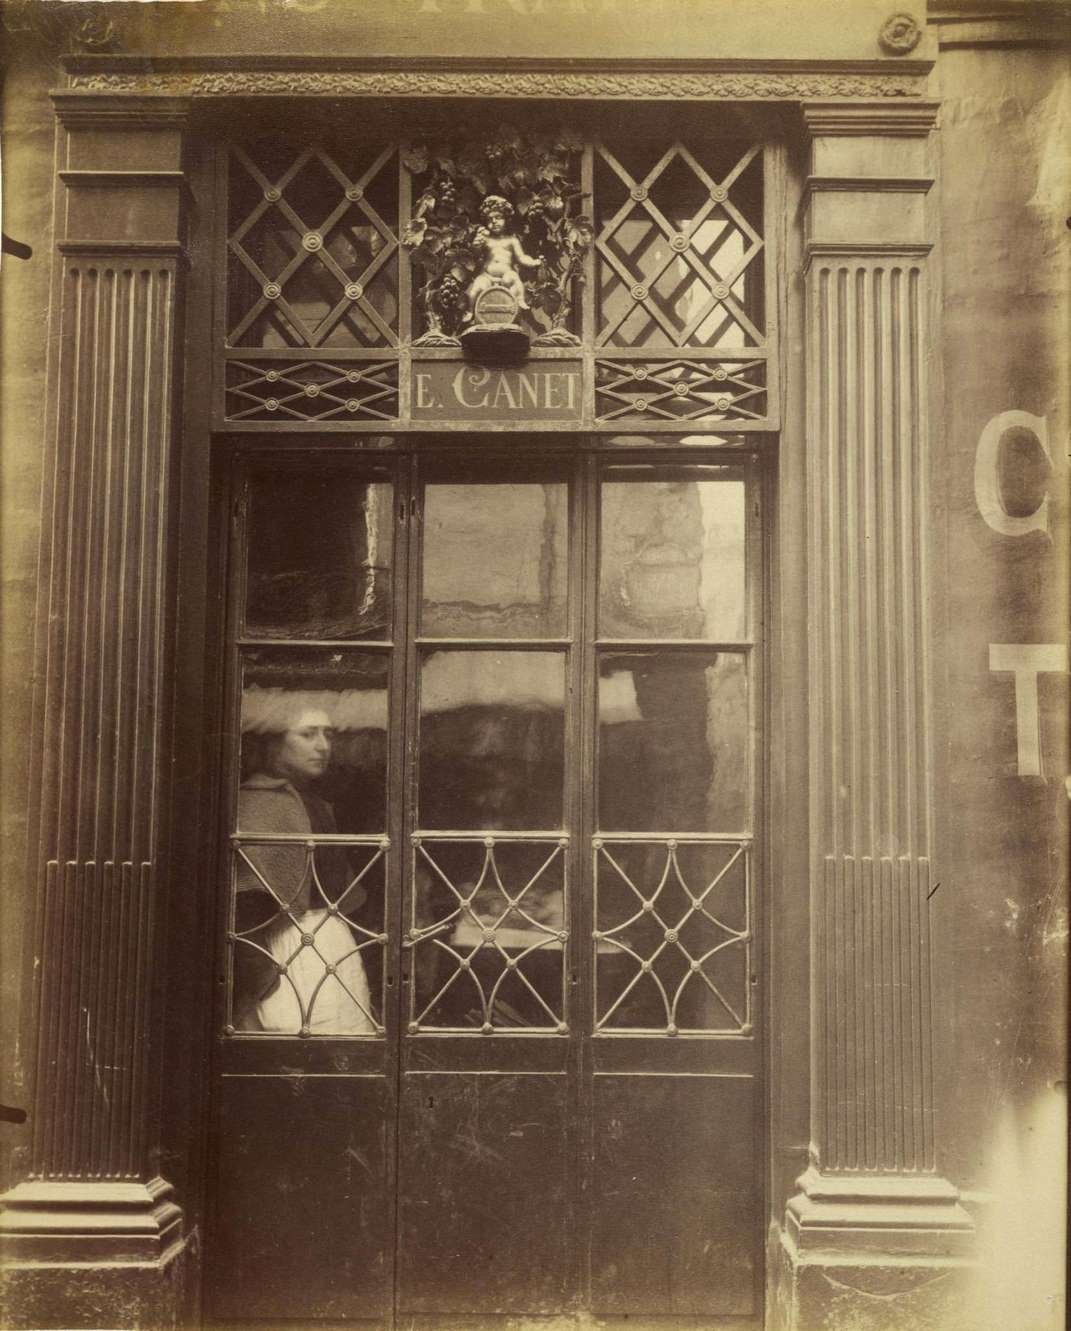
[
  {"x": 871, "y": 119},
  {"x": 81, "y": 109},
  {"x": 871, "y": 167},
  {"x": 122, "y": 161}
]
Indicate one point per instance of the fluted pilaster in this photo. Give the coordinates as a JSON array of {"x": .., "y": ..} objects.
[
  {"x": 101, "y": 713},
  {"x": 870, "y": 710},
  {"x": 872, "y": 1184}
]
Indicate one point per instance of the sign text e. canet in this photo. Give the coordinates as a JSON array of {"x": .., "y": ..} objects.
[{"x": 444, "y": 390}]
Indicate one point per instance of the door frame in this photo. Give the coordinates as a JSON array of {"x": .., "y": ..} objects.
[{"x": 407, "y": 461}]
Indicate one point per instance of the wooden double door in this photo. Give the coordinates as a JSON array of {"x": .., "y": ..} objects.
[{"x": 487, "y": 1045}]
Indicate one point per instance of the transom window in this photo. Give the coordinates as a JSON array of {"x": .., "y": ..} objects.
[{"x": 649, "y": 269}]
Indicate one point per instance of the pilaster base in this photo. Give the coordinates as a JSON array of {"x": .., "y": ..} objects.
[
  {"x": 873, "y": 1253},
  {"x": 85, "y": 1254}
]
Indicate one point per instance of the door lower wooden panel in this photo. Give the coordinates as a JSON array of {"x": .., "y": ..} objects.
[
  {"x": 484, "y": 1208},
  {"x": 674, "y": 1204},
  {"x": 302, "y": 1221}
]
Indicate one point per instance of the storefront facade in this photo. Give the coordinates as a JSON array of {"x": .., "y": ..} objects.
[{"x": 546, "y": 729}]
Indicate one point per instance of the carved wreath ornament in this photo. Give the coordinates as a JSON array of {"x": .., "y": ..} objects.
[
  {"x": 530, "y": 179},
  {"x": 900, "y": 34}
]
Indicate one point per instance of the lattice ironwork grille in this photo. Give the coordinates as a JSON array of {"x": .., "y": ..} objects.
[
  {"x": 320, "y": 311},
  {"x": 490, "y": 931},
  {"x": 314, "y": 261},
  {"x": 304, "y": 959},
  {"x": 685, "y": 930},
  {"x": 677, "y": 258}
]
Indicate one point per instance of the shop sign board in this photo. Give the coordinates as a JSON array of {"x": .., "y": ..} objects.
[{"x": 537, "y": 391}]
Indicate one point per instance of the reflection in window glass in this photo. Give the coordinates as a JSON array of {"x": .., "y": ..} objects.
[
  {"x": 320, "y": 554},
  {"x": 672, "y": 558},
  {"x": 673, "y": 742},
  {"x": 495, "y": 561},
  {"x": 308, "y": 915},
  {"x": 491, "y": 740},
  {"x": 649, "y": 441}
]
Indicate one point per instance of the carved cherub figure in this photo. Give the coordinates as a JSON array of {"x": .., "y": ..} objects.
[{"x": 503, "y": 253}]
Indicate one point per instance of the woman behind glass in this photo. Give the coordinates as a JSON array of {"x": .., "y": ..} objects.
[{"x": 297, "y": 967}]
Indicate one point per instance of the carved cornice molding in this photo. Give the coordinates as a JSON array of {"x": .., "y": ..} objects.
[
  {"x": 121, "y": 179},
  {"x": 998, "y": 11},
  {"x": 914, "y": 119},
  {"x": 609, "y": 84},
  {"x": 79, "y": 111},
  {"x": 867, "y": 185},
  {"x": 100, "y": 249},
  {"x": 856, "y": 254}
]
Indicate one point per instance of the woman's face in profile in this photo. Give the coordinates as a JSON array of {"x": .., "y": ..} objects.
[{"x": 304, "y": 749}]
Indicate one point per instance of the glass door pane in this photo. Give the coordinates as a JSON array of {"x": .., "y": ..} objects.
[
  {"x": 319, "y": 556},
  {"x": 673, "y": 559},
  {"x": 488, "y": 1044},
  {"x": 488, "y": 918},
  {"x": 674, "y": 1087},
  {"x": 495, "y": 560},
  {"x": 309, "y": 908},
  {"x": 308, "y": 982}
]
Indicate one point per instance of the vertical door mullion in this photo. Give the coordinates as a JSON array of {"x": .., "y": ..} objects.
[
  {"x": 235, "y": 527},
  {"x": 399, "y": 843},
  {"x": 573, "y": 815},
  {"x": 585, "y": 831},
  {"x": 411, "y": 518},
  {"x": 756, "y": 633},
  {"x": 758, "y": 507},
  {"x": 409, "y": 509}
]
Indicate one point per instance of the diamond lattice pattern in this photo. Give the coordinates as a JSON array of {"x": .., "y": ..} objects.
[
  {"x": 311, "y": 390},
  {"x": 679, "y": 261},
  {"x": 682, "y": 389},
  {"x": 314, "y": 248}
]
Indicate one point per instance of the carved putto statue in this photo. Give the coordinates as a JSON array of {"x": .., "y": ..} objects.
[{"x": 503, "y": 253}]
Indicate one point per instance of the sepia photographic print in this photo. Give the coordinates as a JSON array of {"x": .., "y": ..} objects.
[{"x": 535, "y": 614}]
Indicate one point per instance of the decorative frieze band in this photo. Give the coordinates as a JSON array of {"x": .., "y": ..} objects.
[{"x": 619, "y": 84}]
